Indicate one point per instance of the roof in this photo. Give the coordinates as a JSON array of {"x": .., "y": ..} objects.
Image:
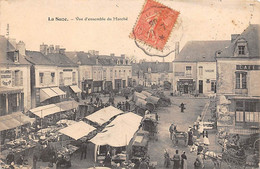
[
  {"x": 156, "y": 67},
  {"x": 4, "y": 43},
  {"x": 61, "y": 60},
  {"x": 252, "y": 36},
  {"x": 200, "y": 51},
  {"x": 84, "y": 58},
  {"x": 104, "y": 115},
  {"x": 77, "y": 130},
  {"x": 37, "y": 58}
]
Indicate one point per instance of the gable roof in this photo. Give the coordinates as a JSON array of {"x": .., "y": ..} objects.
[
  {"x": 156, "y": 67},
  {"x": 37, "y": 58},
  {"x": 200, "y": 51},
  {"x": 61, "y": 60},
  {"x": 252, "y": 36},
  {"x": 4, "y": 56}
]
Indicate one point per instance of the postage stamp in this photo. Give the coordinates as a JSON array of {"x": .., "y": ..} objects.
[{"x": 154, "y": 24}]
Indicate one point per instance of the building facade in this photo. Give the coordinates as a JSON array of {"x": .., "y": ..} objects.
[
  {"x": 194, "y": 68},
  {"x": 238, "y": 81},
  {"x": 15, "y": 93}
]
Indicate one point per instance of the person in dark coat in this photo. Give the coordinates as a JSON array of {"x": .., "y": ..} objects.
[
  {"x": 10, "y": 158},
  {"x": 176, "y": 160},
  {"x": 20, "y": 160},
  {"x": 83, "y": 150},
  {"x": 190, "y": 138},
  {"x": 143, "y": 165},
  {"x": 197, "y": 164},
  {"x": 182, "y": 107},
  {"x": 183, "y": 160},
  {"x": 107, "y": 161}
]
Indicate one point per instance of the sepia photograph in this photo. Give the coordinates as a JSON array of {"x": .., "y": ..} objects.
[{"x": 129, "y": 84}]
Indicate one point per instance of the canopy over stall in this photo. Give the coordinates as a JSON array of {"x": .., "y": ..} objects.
[
  {"x": 138, "y": 95},
  {"x": 43, "y": 111},
  {"x": 119, "y": 132},
  {"x": 77, "y": 130},
  {"x": 152, "y": 99},
  {"x": 14, "y": 120},
  {"x": 104, "y": 115},
  {"x": 147, "y": 94},
  {"x": 68, "y": 105}
]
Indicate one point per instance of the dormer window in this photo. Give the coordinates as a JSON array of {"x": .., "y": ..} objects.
[{"x": 241, "y": 50}]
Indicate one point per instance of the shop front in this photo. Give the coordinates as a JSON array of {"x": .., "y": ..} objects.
[
  {"x": 108, "y": 86},
  {"x": 97, "y": 86},
  {"x": 118, "y": 83},
  {"x": 87, "y": 86},
  {"x": 186, "y": 86}
]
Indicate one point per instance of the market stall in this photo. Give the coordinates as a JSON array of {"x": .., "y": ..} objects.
[
  {"x": 118, "y": 133},
  {"x": 104, "y": 115},
  {"x": 137, "y": 95}
]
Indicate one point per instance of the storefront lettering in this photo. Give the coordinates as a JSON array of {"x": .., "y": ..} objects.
[
  {"x": 6, "y": 77},
  {"x": 209, "y": 70},
  {"x": 248, "y": 67}
]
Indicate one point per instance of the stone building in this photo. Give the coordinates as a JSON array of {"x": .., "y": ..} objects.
[
  {"x": 194, "y": 68},
  {"x": 238, "y": 82}
]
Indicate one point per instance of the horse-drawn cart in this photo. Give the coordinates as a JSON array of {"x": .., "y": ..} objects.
[
  {"x": 180, "y": 135},
  {"x": 149, "y": 124}
]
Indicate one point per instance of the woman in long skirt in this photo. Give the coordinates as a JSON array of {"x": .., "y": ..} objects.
[
  {"x": 166, "y": 159},
  {"x": 184, "y": 160}
]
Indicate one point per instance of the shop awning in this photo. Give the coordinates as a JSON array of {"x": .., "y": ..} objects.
[
  {"x": 68, "y": 105},
  {"x": 43, "y": 111},
  {"x": 46, "y": 94},
  {"x": 104, "y": 115},
  {"x": 77, "y": 130},
  {"x": 75, "y": 89},
  {"x": 14, "y": 120},
  {"x": 119, "y": 132},
  {"x": 58, "y": 91}
]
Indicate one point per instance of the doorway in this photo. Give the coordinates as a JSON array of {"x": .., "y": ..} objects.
[{"x": 200, "y": 86}]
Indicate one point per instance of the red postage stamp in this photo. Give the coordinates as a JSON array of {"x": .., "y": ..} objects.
[{"x": 154, "y": 24}]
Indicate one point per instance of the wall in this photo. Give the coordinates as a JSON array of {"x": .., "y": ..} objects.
[
  {"x": 67, "y": 76},
  {"x": 179, "y": 69},
  {"x": 208, "y": 73},
  {"x": 26, "y": 82},
  {"x": 226, "y": 76},
  {"x": 47, "y": 70}
]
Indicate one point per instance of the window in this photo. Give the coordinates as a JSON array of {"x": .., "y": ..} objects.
[
  {"x": 241, "y": 50},
  {"x": 16, "y": 77},
  {"x": 246, "y": 111},
  {"x": 213, "y": 85},
  {"x": 104, "y": 74},
  {"x": 41, "y": 77},
  {"x": 200, "y": 70},
  {"x": 188, "y": 70},
  {"x": 241, "y": 80},
  {"x": 52, "y": 77},
  {"x": 115, "y": 74},
  {"x": 73, "y": 76}
]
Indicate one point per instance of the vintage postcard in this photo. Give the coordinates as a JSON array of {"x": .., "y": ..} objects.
[{"x": 129, "y": 84}]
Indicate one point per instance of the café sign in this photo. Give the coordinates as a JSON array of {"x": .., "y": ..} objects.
[
  {"x": 248, "y": 67},
  {"x": 6, "y": 77}
]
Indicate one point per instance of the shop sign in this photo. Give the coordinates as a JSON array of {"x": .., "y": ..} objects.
[
  {"x": 211, "y": 70},
  {"x": 6, "y": 77},
  {"x": 179, "y": 73},
  {"x": 248, "y": 67}
]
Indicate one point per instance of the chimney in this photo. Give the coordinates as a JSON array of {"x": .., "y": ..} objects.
[
  {"x": 233, "y": 37},
  {"x": 123, "y": 56},
  {"x": 177, "y": 48},
  {"x": 20, "y": 46},
  {"x": 57, "y": 48},
  {"x": 51, "y": 49},
  {"x": 44, "y": 48},
  {"x": 112, "y": 54},
  {"x": 62, "y": 50}
]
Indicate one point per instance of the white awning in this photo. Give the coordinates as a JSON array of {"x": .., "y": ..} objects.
[
  {"x": 58, "y": 91},
  {"x": 43, "y": 111},
  {"x": 77, "y": 130},
  {"x": 75, "y": 89},
  {"x": 119, "y": 132},
  {"x": 46, "y": 94},
  {"x": 104, "y": 115},
  {"x": 68, "y": 105},
  {"x": 14, "y": 120}
]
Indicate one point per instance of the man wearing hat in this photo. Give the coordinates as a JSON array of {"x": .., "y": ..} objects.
[{"x": 10, "y": 157}]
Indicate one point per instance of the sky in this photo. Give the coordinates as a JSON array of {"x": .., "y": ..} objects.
[{"x": 198, "y": 20}]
